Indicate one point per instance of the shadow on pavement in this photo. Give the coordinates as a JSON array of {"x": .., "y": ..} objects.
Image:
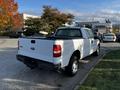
[{"x": 15, "y": 75}]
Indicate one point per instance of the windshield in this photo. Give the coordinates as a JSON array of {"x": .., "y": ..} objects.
[{"x": 68, "y": 32}]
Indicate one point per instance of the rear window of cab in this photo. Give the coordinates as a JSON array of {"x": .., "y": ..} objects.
[{"x": 69, "y": 32}]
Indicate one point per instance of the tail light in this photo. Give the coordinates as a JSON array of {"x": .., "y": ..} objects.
[{"x": 56, "y": 51}]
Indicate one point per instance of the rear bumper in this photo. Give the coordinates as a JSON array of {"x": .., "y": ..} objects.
[{"x": 23, "y": 59}]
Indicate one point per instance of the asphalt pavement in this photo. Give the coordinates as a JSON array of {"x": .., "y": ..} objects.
[{"x": 14, "y": 75}]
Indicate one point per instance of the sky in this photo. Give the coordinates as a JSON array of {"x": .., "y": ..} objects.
[{"x": 80, "y": 8}]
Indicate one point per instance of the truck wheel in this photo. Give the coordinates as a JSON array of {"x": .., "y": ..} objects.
[
  {"x": 97, "y": 52},
  {"x": 31, "y": 64},
  {"x": 73, "y": 66}
]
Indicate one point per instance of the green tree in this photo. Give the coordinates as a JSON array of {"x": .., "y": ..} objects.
[
  {"x": 55, "y": 18},
  {"x": 34, "y": 25},
  {"x": 50, "y": 20}
]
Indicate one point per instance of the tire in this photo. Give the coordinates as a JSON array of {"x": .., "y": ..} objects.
[
  {"x": 31, "y": 64},
  {"x": 97, "y": 52},
  {"x": 73, "y": 66}
]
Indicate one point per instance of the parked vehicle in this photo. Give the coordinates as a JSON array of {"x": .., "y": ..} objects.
[
  {"x": 63, "y": 50},
  {"x": 107, "y": 37},
  {"x": 15, "y": 34},
  {"x": 118, "y": 37}
]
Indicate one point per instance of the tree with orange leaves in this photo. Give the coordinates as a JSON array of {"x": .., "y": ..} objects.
[{"x": 9, "y": 16}]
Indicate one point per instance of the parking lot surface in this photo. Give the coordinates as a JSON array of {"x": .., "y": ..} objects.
[{"x": 14, "y": 75}]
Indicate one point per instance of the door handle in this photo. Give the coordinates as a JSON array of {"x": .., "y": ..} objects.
[{"x": 33, "y": 41}]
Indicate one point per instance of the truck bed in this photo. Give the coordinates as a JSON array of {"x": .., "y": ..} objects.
[{"x": 42, "y": 48}]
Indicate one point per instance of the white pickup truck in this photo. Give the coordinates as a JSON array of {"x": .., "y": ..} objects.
[{"x": 63, "y": 50}]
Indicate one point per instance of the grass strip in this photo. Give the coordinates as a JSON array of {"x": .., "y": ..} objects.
[{"x": 106, "y": 75}]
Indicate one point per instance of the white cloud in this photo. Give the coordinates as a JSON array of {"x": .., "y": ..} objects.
[
  {"x": 110, "y": 10},
  {"x": 100, "y": 15},
  {"x": 114, "y": 4},
  {"x": 74, "y": 12}
]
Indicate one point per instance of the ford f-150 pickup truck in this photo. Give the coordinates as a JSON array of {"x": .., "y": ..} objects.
[{"x": 62, "y": 50}]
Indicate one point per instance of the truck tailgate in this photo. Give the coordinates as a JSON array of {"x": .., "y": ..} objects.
[{"x": 41, "y": 49}]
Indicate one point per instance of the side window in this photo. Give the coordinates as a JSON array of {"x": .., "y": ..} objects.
[{"x": 89, "y": 33}]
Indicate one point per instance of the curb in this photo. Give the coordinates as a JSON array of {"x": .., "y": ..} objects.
[{"x": 82, "y": 81}]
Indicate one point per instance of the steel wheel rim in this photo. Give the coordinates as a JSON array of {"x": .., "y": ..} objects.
[{"x": 75, "y": 67}]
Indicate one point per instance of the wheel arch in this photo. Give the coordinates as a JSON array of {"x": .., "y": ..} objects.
[{"x": 69, "y": 68}]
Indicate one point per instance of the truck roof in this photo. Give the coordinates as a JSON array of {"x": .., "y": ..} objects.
[
  {"x": 72, "y": 27},
  {"x": 69, "y": 27}
]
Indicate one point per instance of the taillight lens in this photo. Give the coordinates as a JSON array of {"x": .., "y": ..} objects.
[{"x": 56, "y": 51}]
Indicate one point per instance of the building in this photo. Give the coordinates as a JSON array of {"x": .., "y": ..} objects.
[
  {"x": 90, "y": 23},
  {"x": 102, "y": 27},
  {"x": 26, "y": 16},
  {"x": 96, "y": 26}
]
